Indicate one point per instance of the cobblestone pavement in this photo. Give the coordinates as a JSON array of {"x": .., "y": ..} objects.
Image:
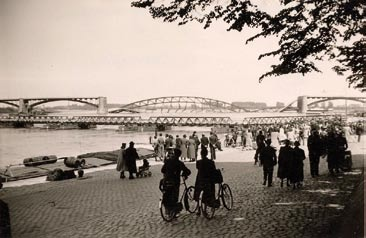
[{"x": 102, "y": 205}]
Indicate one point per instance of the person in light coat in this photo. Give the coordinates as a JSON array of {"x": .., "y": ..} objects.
[
  {"x": 121, "y": 162},
  {"x": 191, "y": 151}
]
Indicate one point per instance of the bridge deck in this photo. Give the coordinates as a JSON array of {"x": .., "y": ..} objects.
[{"x": 161, "y": 120}]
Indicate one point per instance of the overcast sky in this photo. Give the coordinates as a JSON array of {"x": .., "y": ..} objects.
[{"x": 51, "y": 48}]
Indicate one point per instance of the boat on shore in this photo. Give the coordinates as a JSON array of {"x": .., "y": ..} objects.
[{"x": 42, "y": 165}]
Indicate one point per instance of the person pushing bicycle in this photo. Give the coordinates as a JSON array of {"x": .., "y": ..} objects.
[
  {"x": 173, "y": 169},
  {"x": 205, "y": 180}
]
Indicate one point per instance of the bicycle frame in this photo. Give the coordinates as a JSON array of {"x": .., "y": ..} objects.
[{"x": 184, "y": 201}]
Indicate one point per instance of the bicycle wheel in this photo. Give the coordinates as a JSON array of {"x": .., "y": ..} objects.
[
  {"x": 166, "y": 214},
  {"x": 206, "y": 210},
  {"x": 227, "y": 197},
  {"x": 189, "y": 203}
]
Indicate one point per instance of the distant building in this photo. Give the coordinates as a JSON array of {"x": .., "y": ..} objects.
[{"x": 280, "y": 104}]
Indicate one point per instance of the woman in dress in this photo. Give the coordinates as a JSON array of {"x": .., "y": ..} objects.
[
  {"x": 191, "y": 151},
  {"x": 275, "y": 138},
  {"x": 183, "y": 147},
  {"x": 249, "y": 140}
]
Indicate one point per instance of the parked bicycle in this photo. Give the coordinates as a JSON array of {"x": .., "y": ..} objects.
[
  {"x": 224, "y": 196},
  {"x": 169, "y": 212}
]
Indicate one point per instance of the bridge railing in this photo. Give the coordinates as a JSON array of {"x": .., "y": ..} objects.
[
  {"x": 188, "y": 121},
  {"x": 285, "y": 119},
  {"x": 165, "y": 120}
]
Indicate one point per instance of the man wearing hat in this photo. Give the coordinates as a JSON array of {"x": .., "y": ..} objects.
[
  {"x": 121, "y": 162},
  {"x": 268, "y": 159},
  {"x": 131, "y": 157}
]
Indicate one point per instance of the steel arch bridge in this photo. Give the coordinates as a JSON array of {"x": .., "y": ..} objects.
[
  {"x": 180, "y": 104},
  {"x": 305, "y": 103},
  {"x": 26, "y": 105}
]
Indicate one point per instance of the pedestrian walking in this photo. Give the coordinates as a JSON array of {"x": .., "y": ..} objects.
[
  {"x": 173, "y": 169},
  {"x": 315, "y": 150},
  {"x": 205, "y": 179},
  {"x": 121, "y": 162},
  {"x": 155, "y": 145},
  {"x": 213, "y": 141},
  {"x": 131, "y": 156},
  {"x": 161, "y": 145},
  {"x": 268, "y": 159},
  {"x": 260, "y": 145},
  {"x": 331, "y": 145},
  {"x": 297, "y": 166},
  {"x": 285, "y": 158}
]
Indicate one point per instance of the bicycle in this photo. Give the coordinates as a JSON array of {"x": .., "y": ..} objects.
[
  {"x": 224, "y": 194},
  {"x": 168, "y": 213}
]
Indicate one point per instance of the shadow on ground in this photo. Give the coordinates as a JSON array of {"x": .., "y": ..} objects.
[{"x": 5, "y": 230}]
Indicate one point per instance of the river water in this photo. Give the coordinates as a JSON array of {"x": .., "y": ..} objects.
[
  {"x": 20, "y": 143},
  {"x": 17, "y": 144}
]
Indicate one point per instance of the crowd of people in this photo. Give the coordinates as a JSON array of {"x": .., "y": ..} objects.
[
  {"x": 322, "y": 138},
  {"x": 246, "y": 136},
  {"x": 327, "y": 139},
  {"x": 164, "y": 147}
]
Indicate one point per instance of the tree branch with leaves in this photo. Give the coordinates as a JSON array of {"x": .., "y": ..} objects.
[{"x": 308, "y": 31}]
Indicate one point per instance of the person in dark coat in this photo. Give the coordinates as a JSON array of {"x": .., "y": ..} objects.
[
  {"x": 204, "y": 180},
  {"x": 331, "y": 145},
  {"x": 213, "y": 143},
  {"x": 297, "y": 166},
  {"x": 260, "y": 145},
  {"x": 359, "y": 131},
  {"x": 204, "y": 141},
  {"x": 268, "y": 159},
  {"x": 173, "y": 169},
  {"x": 342, "y": 146},
  {"x": 131, "y": 157},
  {"x": 284, "y": 161},
  {"x": 315, "y": 151}
]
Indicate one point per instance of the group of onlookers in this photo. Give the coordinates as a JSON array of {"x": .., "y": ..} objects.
[
  {"x": 164, "y": 147},
  {"x": 296, "y": 131},
  {"x": 323, "y": 141}
]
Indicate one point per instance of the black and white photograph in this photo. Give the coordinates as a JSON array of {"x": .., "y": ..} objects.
[{"x": 182, "y": 118}]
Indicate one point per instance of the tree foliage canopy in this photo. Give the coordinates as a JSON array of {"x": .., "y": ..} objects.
[{"x": 307, "y": 30}]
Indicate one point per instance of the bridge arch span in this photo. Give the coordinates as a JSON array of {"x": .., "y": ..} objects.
[
  {"x": 181, "y": 103},
  {"x": 335, "y": 98},
  {"x": 10, "y": 103},
  {"x": 31, "y": 106}
]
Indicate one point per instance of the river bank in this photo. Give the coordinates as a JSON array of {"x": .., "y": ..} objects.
[{"x": 229, "y": 154}]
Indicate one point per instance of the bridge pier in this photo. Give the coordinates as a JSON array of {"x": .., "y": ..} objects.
[
  {"x": 23, "y": 106},
  {"x": 302, "y": 104},
  {"x": 102, "y": 105}
]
